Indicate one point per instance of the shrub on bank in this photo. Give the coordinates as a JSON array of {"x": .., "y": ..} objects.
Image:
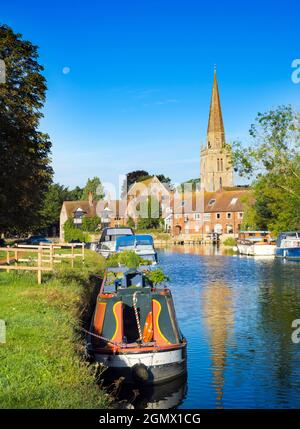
[
  {"x": 74, "y": 234},
  {"x": 230, "y": 241}
]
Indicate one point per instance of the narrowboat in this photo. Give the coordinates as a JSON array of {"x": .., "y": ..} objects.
[
  {"x": 288, "y": 245},
  {"x": 134, "y": 331},
  {"x": 256, "y": 243}
]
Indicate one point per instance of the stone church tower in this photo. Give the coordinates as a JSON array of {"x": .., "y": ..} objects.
[{"x": 216, "y": 170}]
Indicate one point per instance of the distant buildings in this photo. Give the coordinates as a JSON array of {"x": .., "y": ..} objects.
[{"x": 218, "y": 206}]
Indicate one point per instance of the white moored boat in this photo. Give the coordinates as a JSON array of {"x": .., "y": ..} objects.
[{"x": 256, "y": 243}]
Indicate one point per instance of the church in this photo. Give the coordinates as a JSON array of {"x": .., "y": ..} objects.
[{"x": 219, "y": 205}]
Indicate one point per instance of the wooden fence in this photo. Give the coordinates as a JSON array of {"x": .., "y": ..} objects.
[{"x": 44, "y": 256}]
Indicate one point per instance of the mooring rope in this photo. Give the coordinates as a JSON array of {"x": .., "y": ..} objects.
[
  {"x": 102, "y": 338},
  {"x": 134, "y": 300}
]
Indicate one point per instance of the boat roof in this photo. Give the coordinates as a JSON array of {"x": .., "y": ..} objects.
[
  {"x": 133, "y": 240},
  {"x": 117, "y": 231}
]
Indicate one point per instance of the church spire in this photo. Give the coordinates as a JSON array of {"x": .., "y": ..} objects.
[{"x": 215, "y": 129}]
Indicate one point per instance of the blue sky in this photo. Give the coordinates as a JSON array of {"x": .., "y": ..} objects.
[{"x": 140, "y": 73}]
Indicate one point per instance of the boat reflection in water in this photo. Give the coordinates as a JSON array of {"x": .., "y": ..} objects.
[{"x": 157, "y": 397}]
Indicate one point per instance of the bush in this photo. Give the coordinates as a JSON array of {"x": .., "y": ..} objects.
[
  {"x": 128, "y": 258},
  {"x": 91, "y": 224},
  {"x": 157, "y": 276},
  {"x": 230, "y": 241},
  {"x": 74, "y": 234}
]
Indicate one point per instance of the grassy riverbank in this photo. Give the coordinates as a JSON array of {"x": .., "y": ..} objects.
[{"x": 40, "y": 363}]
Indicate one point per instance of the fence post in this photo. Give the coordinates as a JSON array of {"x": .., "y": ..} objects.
[
  {"x": 39, "y": 265},
  {"x": 82, "y": 244},
  {"x": 16, "y": 256},
  {"x": 7, "y": 258},
  {"x": 51, "y": 255},
  {"x": 72, "y": 259}
]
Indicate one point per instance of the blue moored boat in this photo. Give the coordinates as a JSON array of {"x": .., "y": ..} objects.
[
  {"x": 288, "y": 245},
  {"x": 142, "y": 245}
]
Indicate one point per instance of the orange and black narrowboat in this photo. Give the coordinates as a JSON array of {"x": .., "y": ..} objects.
[{"x": 134, "y": 331}]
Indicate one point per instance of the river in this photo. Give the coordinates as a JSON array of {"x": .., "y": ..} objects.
[{"x": 236, "y": 313}]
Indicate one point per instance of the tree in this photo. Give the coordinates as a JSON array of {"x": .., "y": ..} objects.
[
  {"x": 53, "y": 201},
  {"x": 93, "y": 185},
  {"x": 274, "y": 161},
  {"x": 24, "y": 162},
  {"x": 131, "y": 178},
  {"x": 190, "y": 185},
  {"x": 74, "y": 194},
  {"x": 150, "y": 214},
  {"x": 91, "y": 224}
]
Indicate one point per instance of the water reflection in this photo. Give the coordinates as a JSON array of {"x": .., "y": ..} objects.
[
  {"x": 218, "y": 314},
  {"x": 236, "y": 314},
  {"x": 164, "y": 396}
]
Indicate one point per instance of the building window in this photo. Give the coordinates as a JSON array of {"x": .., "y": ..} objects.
[
  {"x": 228, "y": 215},
  {"x": 229, "y": 229},
  {"x": 221, "y": 164},
  {"x": 218, "y": 215},
  {"x": 197, "y": 216},
  {"x": 186, "y": 218},
  {"x": 241, "y": 215},
  {"x": 233, "y": 201},
  {"x": 211, "y": 202},
  {"x": 206, "y": 216},
  {"x": 218, "y": 161},
  {"x": 78, "y": 215}
]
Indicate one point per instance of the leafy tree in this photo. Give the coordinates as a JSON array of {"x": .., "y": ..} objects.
[
  {"x": 91, "y": 224},
  {"x": 74, "y": 194},
  {"x": 24, "y": 162},
  {"x": 93, "y": 185},
  {"x": 73, "y": 234},
  {"x": 131, "y": 178},
  {"x": 53, "y": 201},
  {"x": 274, "y": 161},
  {"x": 151, "y": 214},
  {"x": 163, "y": 179},
  {"x": 130, "y": 222},
  {"x": 191, "y": 185}
]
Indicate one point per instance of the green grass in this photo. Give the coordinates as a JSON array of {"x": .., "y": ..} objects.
[{"x": 41, "y": 363}]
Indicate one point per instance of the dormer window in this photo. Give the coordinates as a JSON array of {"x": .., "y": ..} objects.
[
  {"x": 233, "y": 201},
  {"x": 211, "y": 202},
  {"x": 78, "y": 215}
]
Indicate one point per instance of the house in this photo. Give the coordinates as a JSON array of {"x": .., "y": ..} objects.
[
  {"x": 202, "y": 213},
  {"x": 110, "y": 212}
]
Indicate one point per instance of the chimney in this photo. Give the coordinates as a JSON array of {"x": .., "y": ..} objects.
[{"x": 90, "y": 198}]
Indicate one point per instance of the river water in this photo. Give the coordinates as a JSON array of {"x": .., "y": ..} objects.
[{"x": 236, "y": 313}]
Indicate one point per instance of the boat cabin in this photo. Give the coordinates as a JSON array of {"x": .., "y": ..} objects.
[{"x": 255, "y": 236}]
